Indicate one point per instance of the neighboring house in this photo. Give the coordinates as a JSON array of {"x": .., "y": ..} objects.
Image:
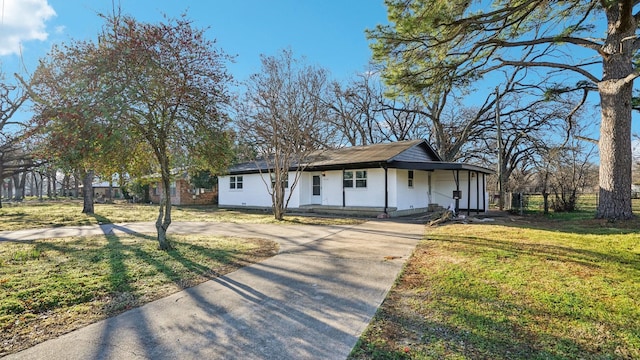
[
  {"x": 395, "y": 179},
  {"x": 183, "y": 193},
  {"x": 104, "y": 191}
]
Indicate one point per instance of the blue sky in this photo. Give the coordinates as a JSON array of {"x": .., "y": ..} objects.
[{"x": 329, "y": 33}]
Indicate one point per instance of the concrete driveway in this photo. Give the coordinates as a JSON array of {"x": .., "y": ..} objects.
[{"x": 311, "y": 301}]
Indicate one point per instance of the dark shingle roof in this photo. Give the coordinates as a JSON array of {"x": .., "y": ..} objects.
[
  {"x": 418, "y": 153},
  {"x": 376, "y": 153}
]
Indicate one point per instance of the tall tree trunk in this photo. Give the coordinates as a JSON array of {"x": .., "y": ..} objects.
[
  {"x": 49, "y": 180},
  {"x": 87, "y": 196},
  {"x": 65, "y": 185},
  {"x": 10, "y": 188},
  {"x": 615, "y": 152},
  {"x": 41, "y": 186},
  {"x": 615, "y": 91},
  {"x": 164, "y": 213},
  {"x": 76, "y": 185},
  {"x": 278, "y": 196},
  {"x": 19, "y": 181},
  {"x": 1, "y": 181}
]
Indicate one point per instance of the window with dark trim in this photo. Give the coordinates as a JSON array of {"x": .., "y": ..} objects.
[
  {"x": 410, "y": 178},
  {"x": 235, "y": 182}
]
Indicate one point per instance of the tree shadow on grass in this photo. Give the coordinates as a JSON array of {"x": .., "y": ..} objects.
[
  {"x": 544, "y": 251},
  {"x": 418, "y": 336}
]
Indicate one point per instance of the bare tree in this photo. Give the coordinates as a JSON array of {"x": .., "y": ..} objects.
[
  {"x": 283, "y": 116},
  {"x": 14, "y": 157}
]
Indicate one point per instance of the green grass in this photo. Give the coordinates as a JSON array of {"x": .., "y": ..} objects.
[
  {"x": 49, "y": 287},
  {"x": 534, "y": 289},
  {"x": 52, "y": 286},
  {"x": 34, "y": 214}
]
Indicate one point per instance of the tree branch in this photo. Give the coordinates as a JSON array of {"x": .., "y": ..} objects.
[{"x": 573, "y": 68}]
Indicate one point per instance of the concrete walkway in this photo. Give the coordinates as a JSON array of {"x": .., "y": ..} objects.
[{"x": 311, "y": 301}]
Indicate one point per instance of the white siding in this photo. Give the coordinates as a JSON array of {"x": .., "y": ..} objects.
[
  {"x": 372, "y": 195},
  {"x": 392, "y": 180},
  {"x": 415, "y": 197},
  {"x": 331, "y": 188},
  {"x": 400, "y": 196},
  {"x": 444, "y": 184},
  {"x": 304, "y": 189},
  {"x": 253, "y": 193}
]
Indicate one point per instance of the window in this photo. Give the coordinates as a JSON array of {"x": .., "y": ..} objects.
[
  {"x": 347, "y": 179},
  {"x": 410, "y": 178},
  {"x": 286, "y": 180},
  {"x": 172, "y": 188},
  {"x": 235, "y": 182},
  {"x": 360, "y": 179},
  {"x": 316, "y": 185}
]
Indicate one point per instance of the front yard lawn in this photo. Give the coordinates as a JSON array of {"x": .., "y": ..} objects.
[
  {"x": 50, "y": 287},
  {"x": 525, "y": 288},
  {"x": 36, "y": 214}
]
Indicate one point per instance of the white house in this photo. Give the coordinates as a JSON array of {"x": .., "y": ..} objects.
[{"x": 395, "y": 178}]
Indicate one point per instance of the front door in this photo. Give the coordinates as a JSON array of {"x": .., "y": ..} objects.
[{"x": 316, "y": 198}]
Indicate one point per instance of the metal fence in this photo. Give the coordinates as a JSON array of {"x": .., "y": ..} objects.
[{"x": 527, "y": 202}]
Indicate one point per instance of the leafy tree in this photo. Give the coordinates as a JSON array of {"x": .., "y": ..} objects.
[
  {"x": 284, "y": 116},
  {"x": 171, "y": 84},
  {"x": 78, "y": 123},
  {"x": 463, "y": 40}
]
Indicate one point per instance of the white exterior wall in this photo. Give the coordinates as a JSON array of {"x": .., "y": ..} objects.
[
  {"x": 294, "y": 202},
  {"x": 442, "y": 188},
  {"x": 392, "y": 179},
  {"x": 305, "y": 188},
  {"x": 372, "y": 195},
  {"x": 331, "y": 187},
  {"x": 304, "y": 183},
  {"x": 415, "y": 197},
  {"x": 253, "y": 193},
  {"x": 443, "y": 185}
]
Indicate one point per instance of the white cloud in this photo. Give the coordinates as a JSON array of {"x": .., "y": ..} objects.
[{"x": 21, "y": 21}]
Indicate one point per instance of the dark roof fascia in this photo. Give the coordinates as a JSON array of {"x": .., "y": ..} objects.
[
  {"x": 427, "y": 166},
  {"x": 430, "y": 166},
  {"x": 365, "y": 165}
]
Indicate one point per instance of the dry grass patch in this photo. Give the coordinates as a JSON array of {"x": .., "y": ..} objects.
[
  {"x": 35, "y": 214},
  {"x": 50, "y": 287},
  {"x": 545, "y": 290}
]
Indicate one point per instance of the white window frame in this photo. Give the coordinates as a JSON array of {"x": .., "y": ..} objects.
[
  {"x": 273, "y": 180},
  {"x": 354, "y": 179},
  {"x": 236, "y": 182}
]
